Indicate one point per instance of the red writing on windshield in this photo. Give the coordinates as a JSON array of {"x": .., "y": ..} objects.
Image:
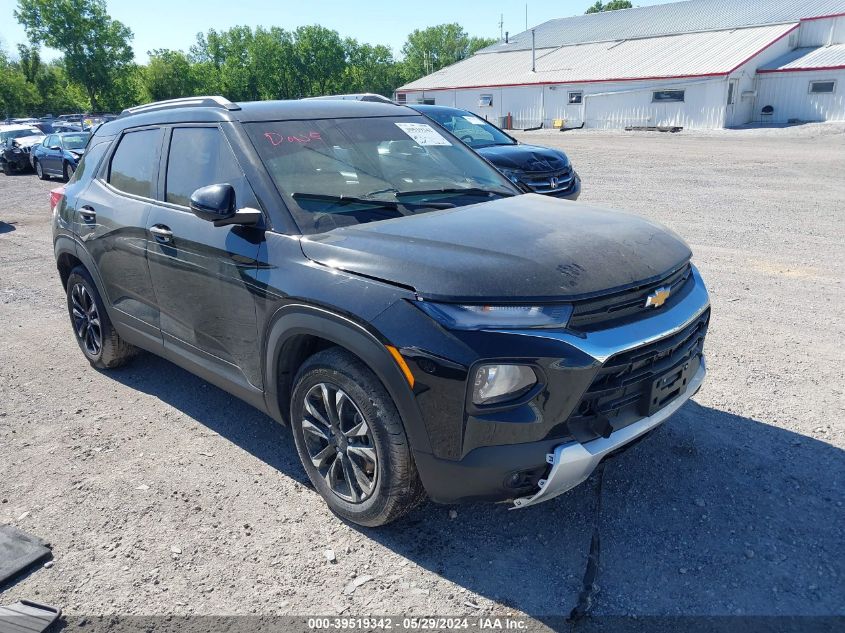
[{"x": 277, "y": 139}]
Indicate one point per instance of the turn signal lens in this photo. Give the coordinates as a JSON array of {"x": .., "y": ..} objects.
[{"x": 500, "y": 383}]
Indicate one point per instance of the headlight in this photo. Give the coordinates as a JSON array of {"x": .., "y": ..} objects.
[
  {"x": 511, "y": 175},
  {"x": 499, "y": 383},
  {"x": 492, "y": 317}
]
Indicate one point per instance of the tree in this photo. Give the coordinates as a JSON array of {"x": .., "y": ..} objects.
[
  {"x": 428, "y": 50},
  {"x": 30, "y": 61},
  {"x": 321, "y": 60},
  {"x": 613, "y": 5},
  {"x": 95, "y": 47},
  {"x": 369, "y": 69},
  {"x": 168, "y": 75}
]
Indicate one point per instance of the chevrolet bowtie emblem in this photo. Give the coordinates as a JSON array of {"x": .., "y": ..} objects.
[{"x": 658, "y": 297}]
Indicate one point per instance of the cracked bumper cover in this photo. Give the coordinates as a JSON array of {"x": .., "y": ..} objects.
[{"x": 573, "y": 462}]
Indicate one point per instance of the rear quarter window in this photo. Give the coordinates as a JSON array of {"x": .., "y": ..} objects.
[{"x": 134, "y": 163}]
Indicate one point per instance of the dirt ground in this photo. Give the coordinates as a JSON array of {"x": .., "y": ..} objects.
[{"x": 161, "y": 494}]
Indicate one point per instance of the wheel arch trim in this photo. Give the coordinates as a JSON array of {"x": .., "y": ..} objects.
[{"x": 303, "y": 319}]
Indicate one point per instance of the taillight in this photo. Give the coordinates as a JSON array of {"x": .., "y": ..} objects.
[{"x": 56, "y": 196}]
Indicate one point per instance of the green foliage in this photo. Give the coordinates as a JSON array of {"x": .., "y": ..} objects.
[
  {"x": 613, "y": 5},
  {"x": 96, "y": 72},
  {"x": 429, "y": 50},
  {"x": 96, "y": 48}
]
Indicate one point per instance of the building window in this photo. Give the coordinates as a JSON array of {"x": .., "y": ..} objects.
[
  {"x": 401, "y": 97},
  {"x": 425, "y": 101},
  {"x": 575, "y": 98},
  {"x": 485, "y": 101},
  {"x": 822, "y": 87},
  {"x": 664, "y": 96}
]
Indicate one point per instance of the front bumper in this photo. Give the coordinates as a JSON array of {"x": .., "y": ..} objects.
[
  {"x": 499, "y": 456},
  {"x": 573, "y": 462}
]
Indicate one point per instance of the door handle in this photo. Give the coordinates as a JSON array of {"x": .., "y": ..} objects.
[
  {"x": 88, "y": 214},
  {"x": 162, "y": 234}
]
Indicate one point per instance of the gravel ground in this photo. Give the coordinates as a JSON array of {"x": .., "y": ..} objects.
[{"x": 163, "y": 495}]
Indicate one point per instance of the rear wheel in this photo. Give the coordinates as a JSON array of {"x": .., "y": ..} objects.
[
  {"x": 351, "y": 440},
  {"x": 39, "y": 169},
  {"x": 94, "y": 333}
]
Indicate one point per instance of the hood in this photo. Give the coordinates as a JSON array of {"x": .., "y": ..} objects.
[
  {"x": 524, "y": 247},
  {"x": 525, "y": 157},
  {"x": 29, "y": 141},
  {"x": 78, "y": 152}
]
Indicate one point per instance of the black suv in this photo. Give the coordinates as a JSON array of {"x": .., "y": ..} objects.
[{"x": 358, "y": 273}]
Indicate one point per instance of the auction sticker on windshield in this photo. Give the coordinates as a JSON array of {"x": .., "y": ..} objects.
[{"x": 423, "y": 134}]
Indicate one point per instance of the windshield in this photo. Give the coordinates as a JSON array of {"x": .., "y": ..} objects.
[
  {"x": 341, "y": 172},
  {"x": 75, "y": 141},
  {"x": 472, "y": 130},
  {"x": 5, "y": 136}
]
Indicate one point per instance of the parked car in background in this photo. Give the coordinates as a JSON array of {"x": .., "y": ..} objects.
[
  {"x": 15, "y": 144},
  {"x": 59, "y": 154},
  {"x": 61, "y": 126},
  {"x": 539, "y": 169}
]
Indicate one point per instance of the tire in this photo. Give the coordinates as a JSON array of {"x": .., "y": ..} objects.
[
  {"x": 366, "y": 424},
  {"x": 39, "y": 169},
  {"x": 93, "y": 330},
  {"x": 67, "y": 171}
]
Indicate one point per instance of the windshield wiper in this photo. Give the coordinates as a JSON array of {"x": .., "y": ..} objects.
[
  {"x": 324, "y": 197},
  {"x": 476, "y": 191}
]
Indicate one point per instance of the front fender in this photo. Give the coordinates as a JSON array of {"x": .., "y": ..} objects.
[{"x": 297, "y": 319}]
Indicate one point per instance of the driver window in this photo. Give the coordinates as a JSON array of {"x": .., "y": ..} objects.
[{"x": 199, "y": 157}]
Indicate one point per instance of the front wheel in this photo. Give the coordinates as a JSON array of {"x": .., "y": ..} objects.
[
  {"x": 67, "y": 172},
  {"x": 39, "y": 169},
  {"x": 94, "y": 332},
  {"x": 351, "y": 440}
]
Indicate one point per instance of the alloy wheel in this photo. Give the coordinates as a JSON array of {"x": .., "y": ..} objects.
[
  {"x": 39, "y": 169},
  {"x": 339, "y": 442},
  {"x": 86, "y": 320}
]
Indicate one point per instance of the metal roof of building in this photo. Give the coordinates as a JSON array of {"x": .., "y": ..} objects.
[
  {"x": 668, "y": 19},
  {"x": 815, "y": 58},
  {"x": 674, "y": 56}
]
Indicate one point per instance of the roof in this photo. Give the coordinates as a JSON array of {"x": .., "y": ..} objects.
[
  {"x": 675, "y": 56},
  {"x": 668, "y": 19},
  {"x": 816, "y": 58},
  {"x": 253, "y": 111},
  {"x": 16, "y": 127}
]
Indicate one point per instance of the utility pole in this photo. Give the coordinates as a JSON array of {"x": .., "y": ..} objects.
[
  {"x": 501, "y": 24},
  {"x": 526, "y": 16}
]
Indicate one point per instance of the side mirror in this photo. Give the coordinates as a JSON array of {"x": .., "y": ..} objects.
[{"x": 216, "y": 203}]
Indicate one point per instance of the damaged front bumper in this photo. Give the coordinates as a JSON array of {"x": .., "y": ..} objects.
[{"x": 573, "y": 462}]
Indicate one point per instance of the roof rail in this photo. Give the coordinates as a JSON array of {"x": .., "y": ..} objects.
[{"x": 184, "y": 102}]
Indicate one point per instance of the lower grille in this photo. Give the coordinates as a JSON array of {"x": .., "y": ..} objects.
[{"x": 626, "y": 388}]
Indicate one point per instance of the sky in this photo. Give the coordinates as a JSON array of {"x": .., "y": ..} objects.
[{"x": 175, "y": 23}]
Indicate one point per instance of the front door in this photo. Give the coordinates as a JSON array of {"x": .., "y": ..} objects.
[
  {"x": 112, "y": 218},
  {"x": 204, "y": 276},
  {"x": 730, "y": 110},
  {"x": 51, "y": 162}
]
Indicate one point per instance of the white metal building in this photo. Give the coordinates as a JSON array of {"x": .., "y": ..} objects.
[{"x": 695, "y": 64}]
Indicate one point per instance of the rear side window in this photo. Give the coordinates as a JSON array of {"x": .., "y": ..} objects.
[
  {"x": 133, "y": 165},
  {"x": 200, "y": 156}
]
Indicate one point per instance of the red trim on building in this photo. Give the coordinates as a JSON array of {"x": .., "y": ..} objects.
[
  {"x": 772, "y": 43},
  {"x": 801, "y": 69},
  {"x": 566, "y": 83}
]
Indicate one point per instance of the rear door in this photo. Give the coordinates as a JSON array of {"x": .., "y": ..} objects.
[
  {"x": 112, "y": 219},
  {"x": 204, "y": 276}
]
